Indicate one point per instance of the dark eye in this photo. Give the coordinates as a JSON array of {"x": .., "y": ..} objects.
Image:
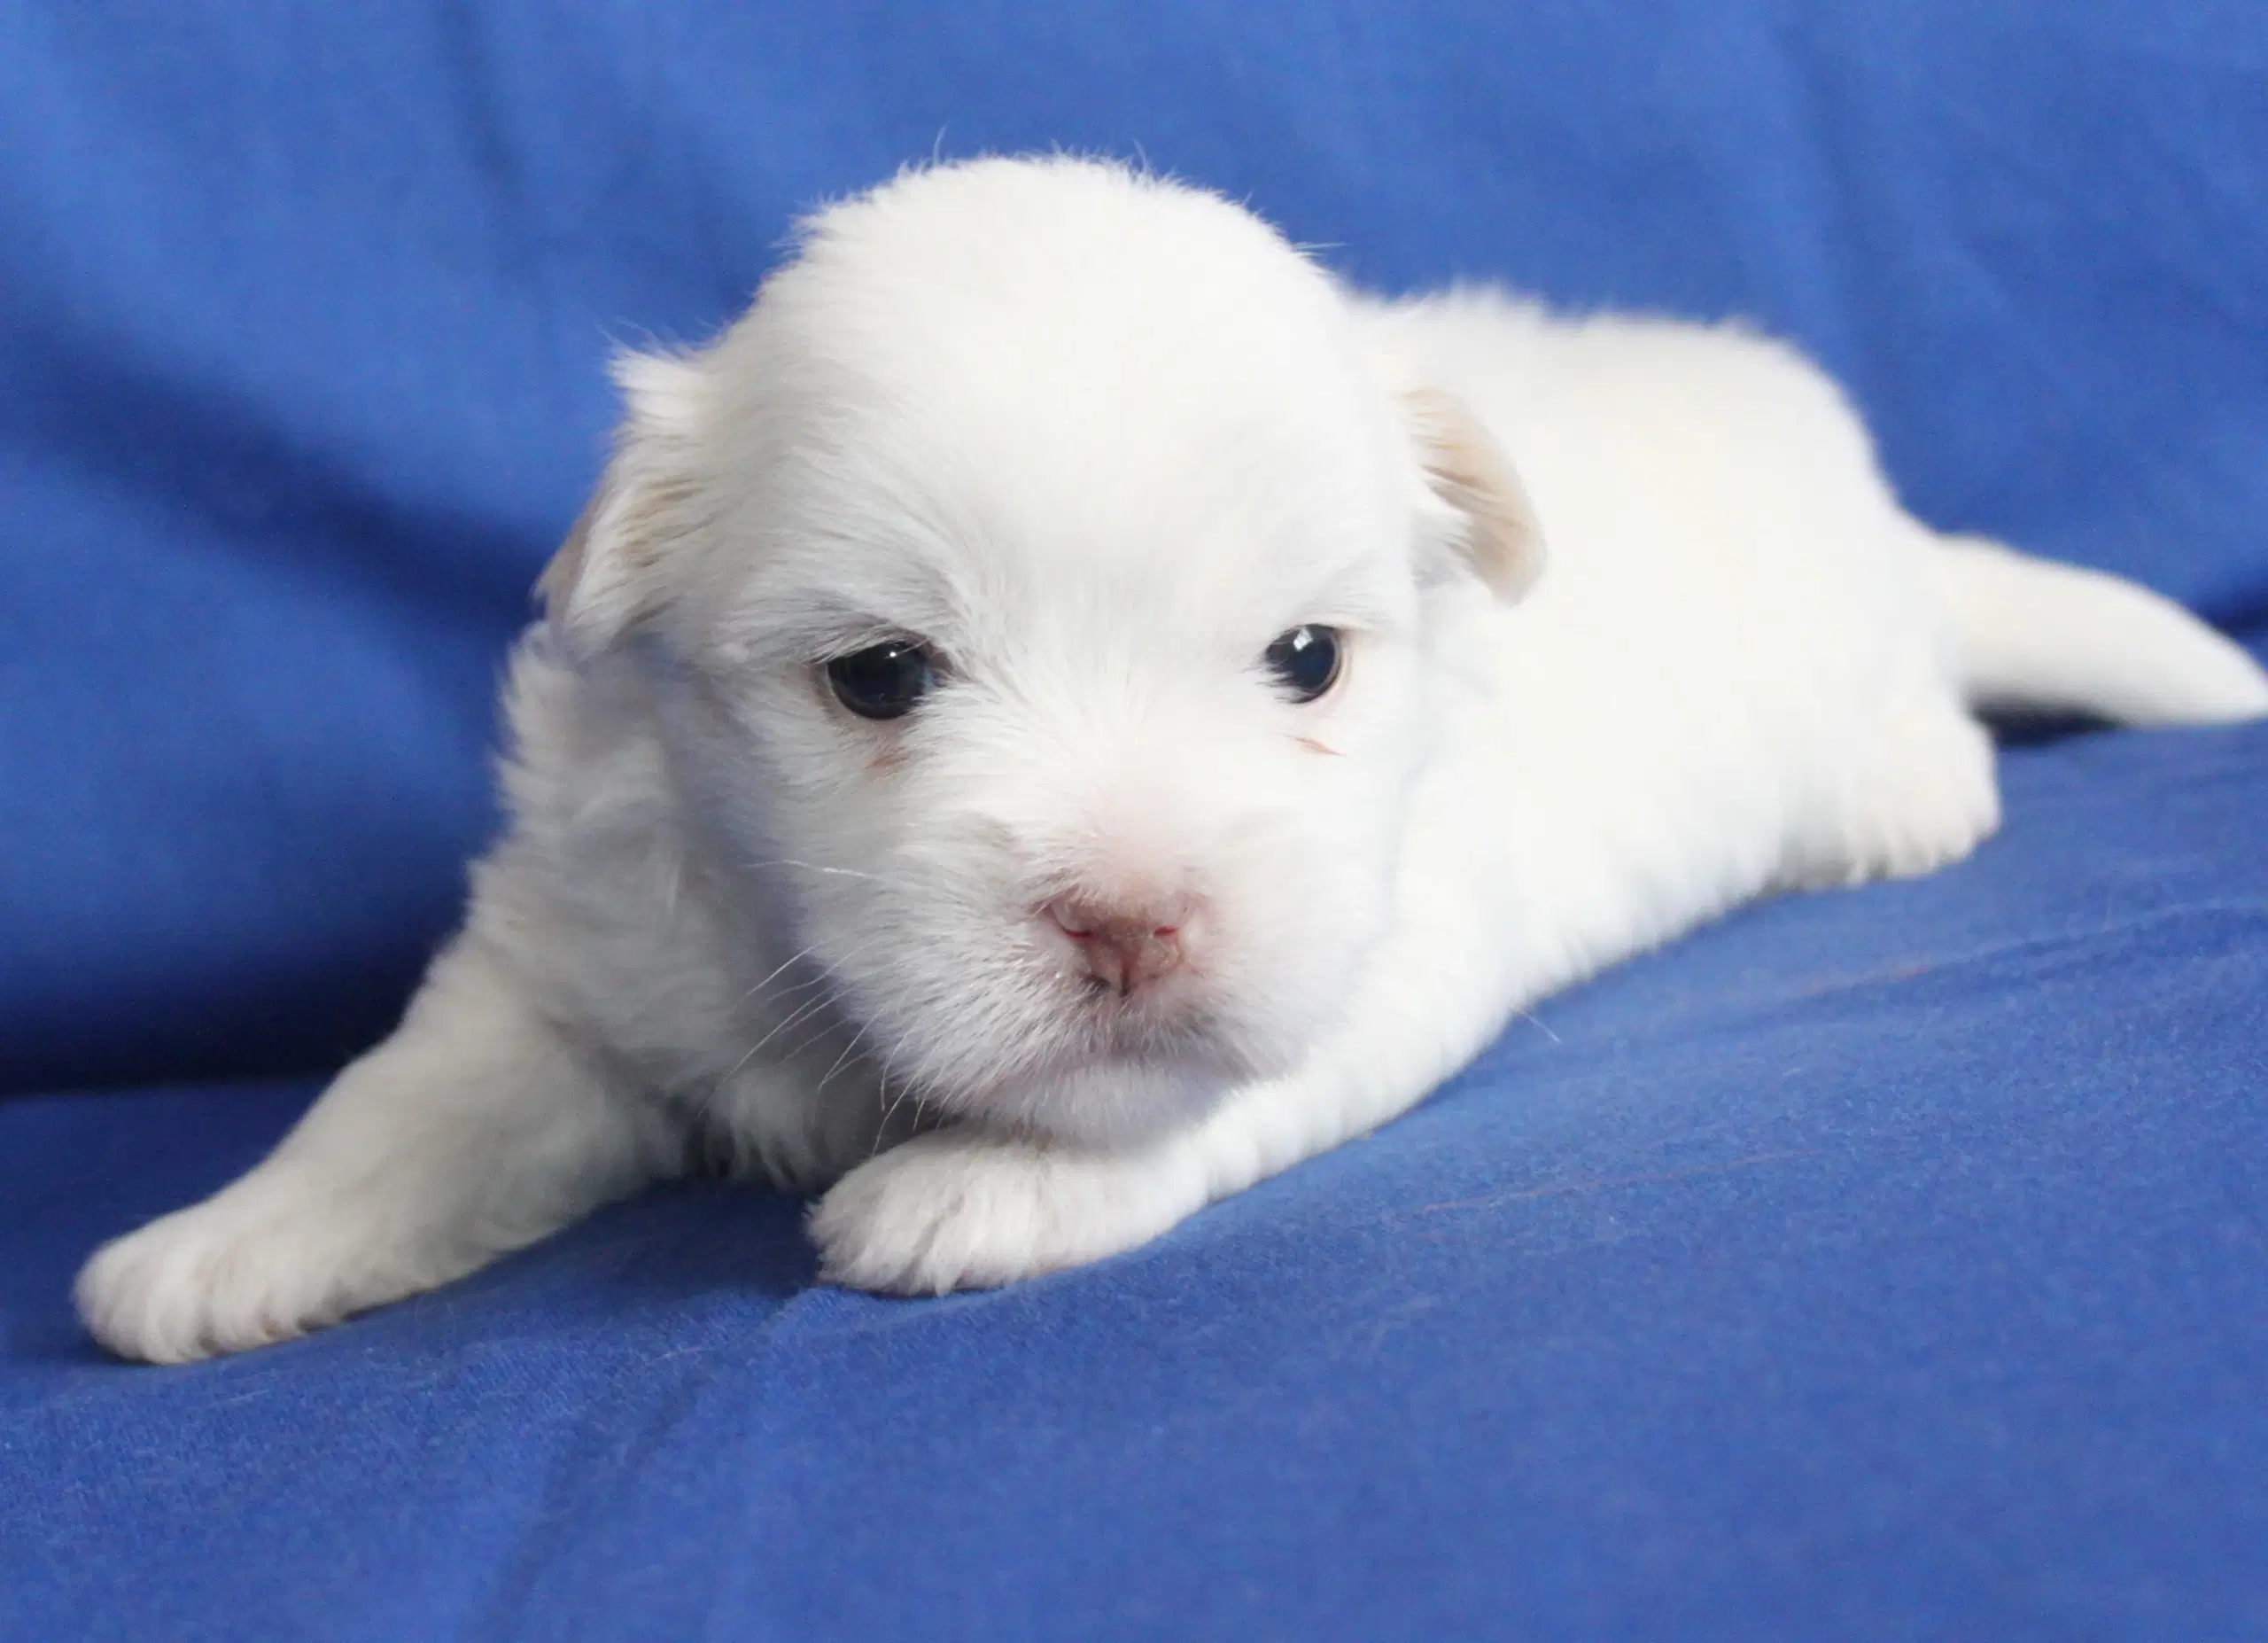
[
  {"x": 1305, "y": 661},
  {"x": 883, "y": 680}
]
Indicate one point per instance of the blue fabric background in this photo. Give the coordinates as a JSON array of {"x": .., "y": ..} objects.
[{"x": 1885, "y": 1264}]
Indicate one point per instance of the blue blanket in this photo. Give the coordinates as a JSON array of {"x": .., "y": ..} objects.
[{"x": 1879, "y": 1265}]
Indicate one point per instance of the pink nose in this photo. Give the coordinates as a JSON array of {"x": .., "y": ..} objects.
[{"x": 1124, "y": 945}]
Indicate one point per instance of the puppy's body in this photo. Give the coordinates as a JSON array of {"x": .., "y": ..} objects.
[{"x": 731, "y": 921}]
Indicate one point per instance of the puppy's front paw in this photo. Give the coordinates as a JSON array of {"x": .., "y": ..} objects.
[
  {"x": 249, "y": 1267},
  {"x": 960, "y": 1209}
]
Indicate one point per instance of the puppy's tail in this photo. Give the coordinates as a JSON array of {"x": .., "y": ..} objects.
[{"x": 2036, "y": 636}]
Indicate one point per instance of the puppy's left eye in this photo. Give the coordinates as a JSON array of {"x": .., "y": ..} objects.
[{"x": 1305, "y": 660}]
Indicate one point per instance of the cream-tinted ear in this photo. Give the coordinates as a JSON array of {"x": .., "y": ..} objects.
[
  {"x": 604, "y": 580},
  {"x": 1484, "y": 509}
]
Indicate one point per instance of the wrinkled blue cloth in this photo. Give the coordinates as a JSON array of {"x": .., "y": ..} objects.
[{"x": 1889, "y": 1264}]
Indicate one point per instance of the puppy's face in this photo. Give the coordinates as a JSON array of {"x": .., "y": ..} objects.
[{"x": 1037, "y": 585}]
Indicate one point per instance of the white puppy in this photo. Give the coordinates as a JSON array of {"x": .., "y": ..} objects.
[{"x": 1062, "y": 713}]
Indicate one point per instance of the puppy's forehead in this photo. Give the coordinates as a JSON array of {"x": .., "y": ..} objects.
[{"x": 1054, "y": 379}]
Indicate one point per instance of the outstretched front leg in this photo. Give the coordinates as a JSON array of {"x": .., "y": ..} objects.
[
  {"x": 967, "y": 1207},
  {"x": 970, "y": 1208},
  {"x": 477, "y": 1128}
]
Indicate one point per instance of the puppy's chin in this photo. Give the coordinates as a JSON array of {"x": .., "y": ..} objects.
[
  {"x": 1114, "y": 1100},
  {"x": 1093, "y": 1071}
]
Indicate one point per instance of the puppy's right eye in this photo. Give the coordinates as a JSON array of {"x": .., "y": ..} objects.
[{"x": 883, "y": 680}]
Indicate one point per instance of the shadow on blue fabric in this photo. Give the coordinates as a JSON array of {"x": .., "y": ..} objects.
[{"x": 1880, "y": 1265}]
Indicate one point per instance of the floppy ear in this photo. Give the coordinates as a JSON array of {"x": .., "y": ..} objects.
[
  {"x": 1475, "y": 503},
  {"x": 603, "y": 581}
]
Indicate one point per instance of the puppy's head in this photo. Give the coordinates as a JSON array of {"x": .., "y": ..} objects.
[{"x": 1039, "y": 588}]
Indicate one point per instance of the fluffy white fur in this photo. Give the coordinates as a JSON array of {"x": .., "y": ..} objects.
[{"x": 1098, "y": 438}]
